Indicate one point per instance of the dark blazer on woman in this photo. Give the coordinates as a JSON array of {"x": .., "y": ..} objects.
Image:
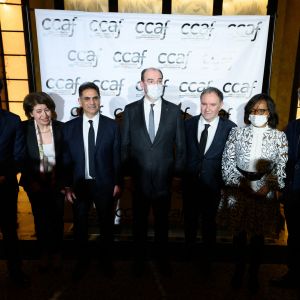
[{"x": 31, "y": 172}]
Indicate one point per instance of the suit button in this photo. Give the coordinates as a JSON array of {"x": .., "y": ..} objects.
[{"x": 296, "y": 167}]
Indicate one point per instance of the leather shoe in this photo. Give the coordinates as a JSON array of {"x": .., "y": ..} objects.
[
  {"x": 165, "y": 268},
  {"x": 138, "y": 268},
  {"x": 19, "y": 278},
  {"x": 288, "y": 280}
]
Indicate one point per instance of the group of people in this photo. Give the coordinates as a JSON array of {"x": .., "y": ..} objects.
[{"x": 84, "y": 160}]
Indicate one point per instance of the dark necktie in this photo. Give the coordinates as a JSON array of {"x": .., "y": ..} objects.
[
  {"x": 151, "y": 124},
  {"x": 203, "y": 140},
  {"x": 91, "y": 148}
]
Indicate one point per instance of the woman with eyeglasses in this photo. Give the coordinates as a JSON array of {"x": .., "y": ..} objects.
[
  {"x": 253, "y": 169},
  {"x": 40, "y": 177}
]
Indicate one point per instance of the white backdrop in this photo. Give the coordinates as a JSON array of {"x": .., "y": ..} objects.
[{"x": 111, "y": 49}]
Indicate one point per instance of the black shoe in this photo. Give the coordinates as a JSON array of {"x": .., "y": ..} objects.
[
  {"x": 288, "y": 280},
  {"x": 138, "y": 268},
  {"x": 237, "y": 278},
  {"x": 236, "y": 281},
  {"x": 165, "y": 268},
  {"x": 19, "y": 278},
  {"x": 107, "y": 268},
  {"x": 253, "y": 285},
  {"x": 80, "y": 270}
]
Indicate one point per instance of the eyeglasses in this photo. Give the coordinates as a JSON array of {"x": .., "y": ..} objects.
[{"x": 259, "y": 111}]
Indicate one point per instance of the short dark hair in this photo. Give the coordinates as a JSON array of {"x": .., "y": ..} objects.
[
  {"x": 273, "y": 116},
  {"x": 32, "y": 99},
  {"x": 153, "y": 69},
  {"x": 214, "y": 90},
  {"x": 88, "y": 85}
]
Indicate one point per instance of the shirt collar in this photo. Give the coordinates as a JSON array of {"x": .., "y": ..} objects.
[
  {"x": 95, "y": 117},
  {"x": 212, "y": 123},
  {"x": 148, "y": 102}
]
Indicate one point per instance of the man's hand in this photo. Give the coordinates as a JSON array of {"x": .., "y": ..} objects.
[
  {"x": 2, "y": 179},
  {"x": 69, "y": 195},
  {"x": 117, "y": 191}
]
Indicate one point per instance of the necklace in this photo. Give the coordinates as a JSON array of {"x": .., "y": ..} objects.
[{"x": 45, "y": 131}]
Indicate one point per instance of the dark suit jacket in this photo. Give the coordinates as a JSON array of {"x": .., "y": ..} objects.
[
  {"x": 293, "y": 165},
  {"x": 107, "y": 156},
  {"x": 31, "y": 170},
  {"x": 210, "y": 170},
  {"x": 153, "y": 165},
  {"x": 12, "y": 148}
]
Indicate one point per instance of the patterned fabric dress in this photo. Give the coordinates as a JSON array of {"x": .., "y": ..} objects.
[{"x": 259, "y": 151}]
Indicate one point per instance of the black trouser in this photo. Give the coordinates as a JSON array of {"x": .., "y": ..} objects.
[
  {"x": 141, "y": 208},
  {"x": 200, "y": 201},
  {"x": 87, "y": 194},
  {"x": 48, "y": 209},
  {"x": 291, "y": 210},
  {"x": 8, "y": 225},
  {"x": 256, "y": 247}
]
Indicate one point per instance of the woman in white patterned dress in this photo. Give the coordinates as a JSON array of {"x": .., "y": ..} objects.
[{"x": 253, "y": 168}]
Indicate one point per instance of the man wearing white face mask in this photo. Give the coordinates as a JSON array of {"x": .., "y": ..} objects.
[
  {"x": 152, "y": 129},
  {"x": 253, "y": 166}
]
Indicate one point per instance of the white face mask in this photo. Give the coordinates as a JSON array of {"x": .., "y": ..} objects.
[
  {"x": 258, "y": 120},
  {"x": 155, "y": 91}
]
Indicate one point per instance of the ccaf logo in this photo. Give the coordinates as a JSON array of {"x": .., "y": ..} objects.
[
  {"x": 152, "y": 30},
  {"x": 110, "y": 87},
  {"x": 106, "y": 28},
  {"x": 83, "y": 58},
  {"x": 239, "y": 89},
  {"x": 130, "y": 59},
  {"x": 245, "y": 31},
  {"x": 174, "y": 60},
  {"x": 194, "y": 88},
  {"x": 63, "y": 86},
  {"x": 56, "y": 26},
  {"x": 201, "y": 31}
]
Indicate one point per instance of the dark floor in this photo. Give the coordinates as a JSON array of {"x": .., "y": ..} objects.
[{"x": 188, "y": 281}]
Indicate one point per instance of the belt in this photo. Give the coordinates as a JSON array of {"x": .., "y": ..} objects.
[{"x": 252, "y": 176}]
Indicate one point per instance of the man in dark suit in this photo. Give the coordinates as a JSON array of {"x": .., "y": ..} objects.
[
  {"x": 12, "y": 151},
  {"x": 153, "y": 150},
  {"x": 206, "y": 135},
  {"x": 291, "y": 200},
  {"x": 92, "y": 157}
]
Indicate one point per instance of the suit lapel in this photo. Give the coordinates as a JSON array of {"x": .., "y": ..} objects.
[
  {"x": 2, "y": 122},
  {"x": 55, "y": 137},
  {"x": 100, "y": 131},
  {"x": 163, "y": 117},
  {"x": 219, "y": 132},
  {"x": 141, "y": 121},
  {"x": 32, "y": 143},
  {"x": 78, "y": 133}
]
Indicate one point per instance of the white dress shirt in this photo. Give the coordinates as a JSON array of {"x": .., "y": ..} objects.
[
  {"x": 85, "y": 128},
  {"x": 157, "y": 112},
  {"x": 211, "y": 130}
]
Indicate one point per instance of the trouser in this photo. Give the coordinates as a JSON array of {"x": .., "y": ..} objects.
[
  {"x": 8, "y": 226},
  {"x": 200, "y": 202},
  {"x": 87, "y": 194},
  {"x": 141, "y": 208},
  {"x": 48, "y": 209},
  {"x": 291, "y": 210}
]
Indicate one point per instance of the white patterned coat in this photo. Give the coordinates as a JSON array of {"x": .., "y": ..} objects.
[{"x": 250, "y": 212}]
